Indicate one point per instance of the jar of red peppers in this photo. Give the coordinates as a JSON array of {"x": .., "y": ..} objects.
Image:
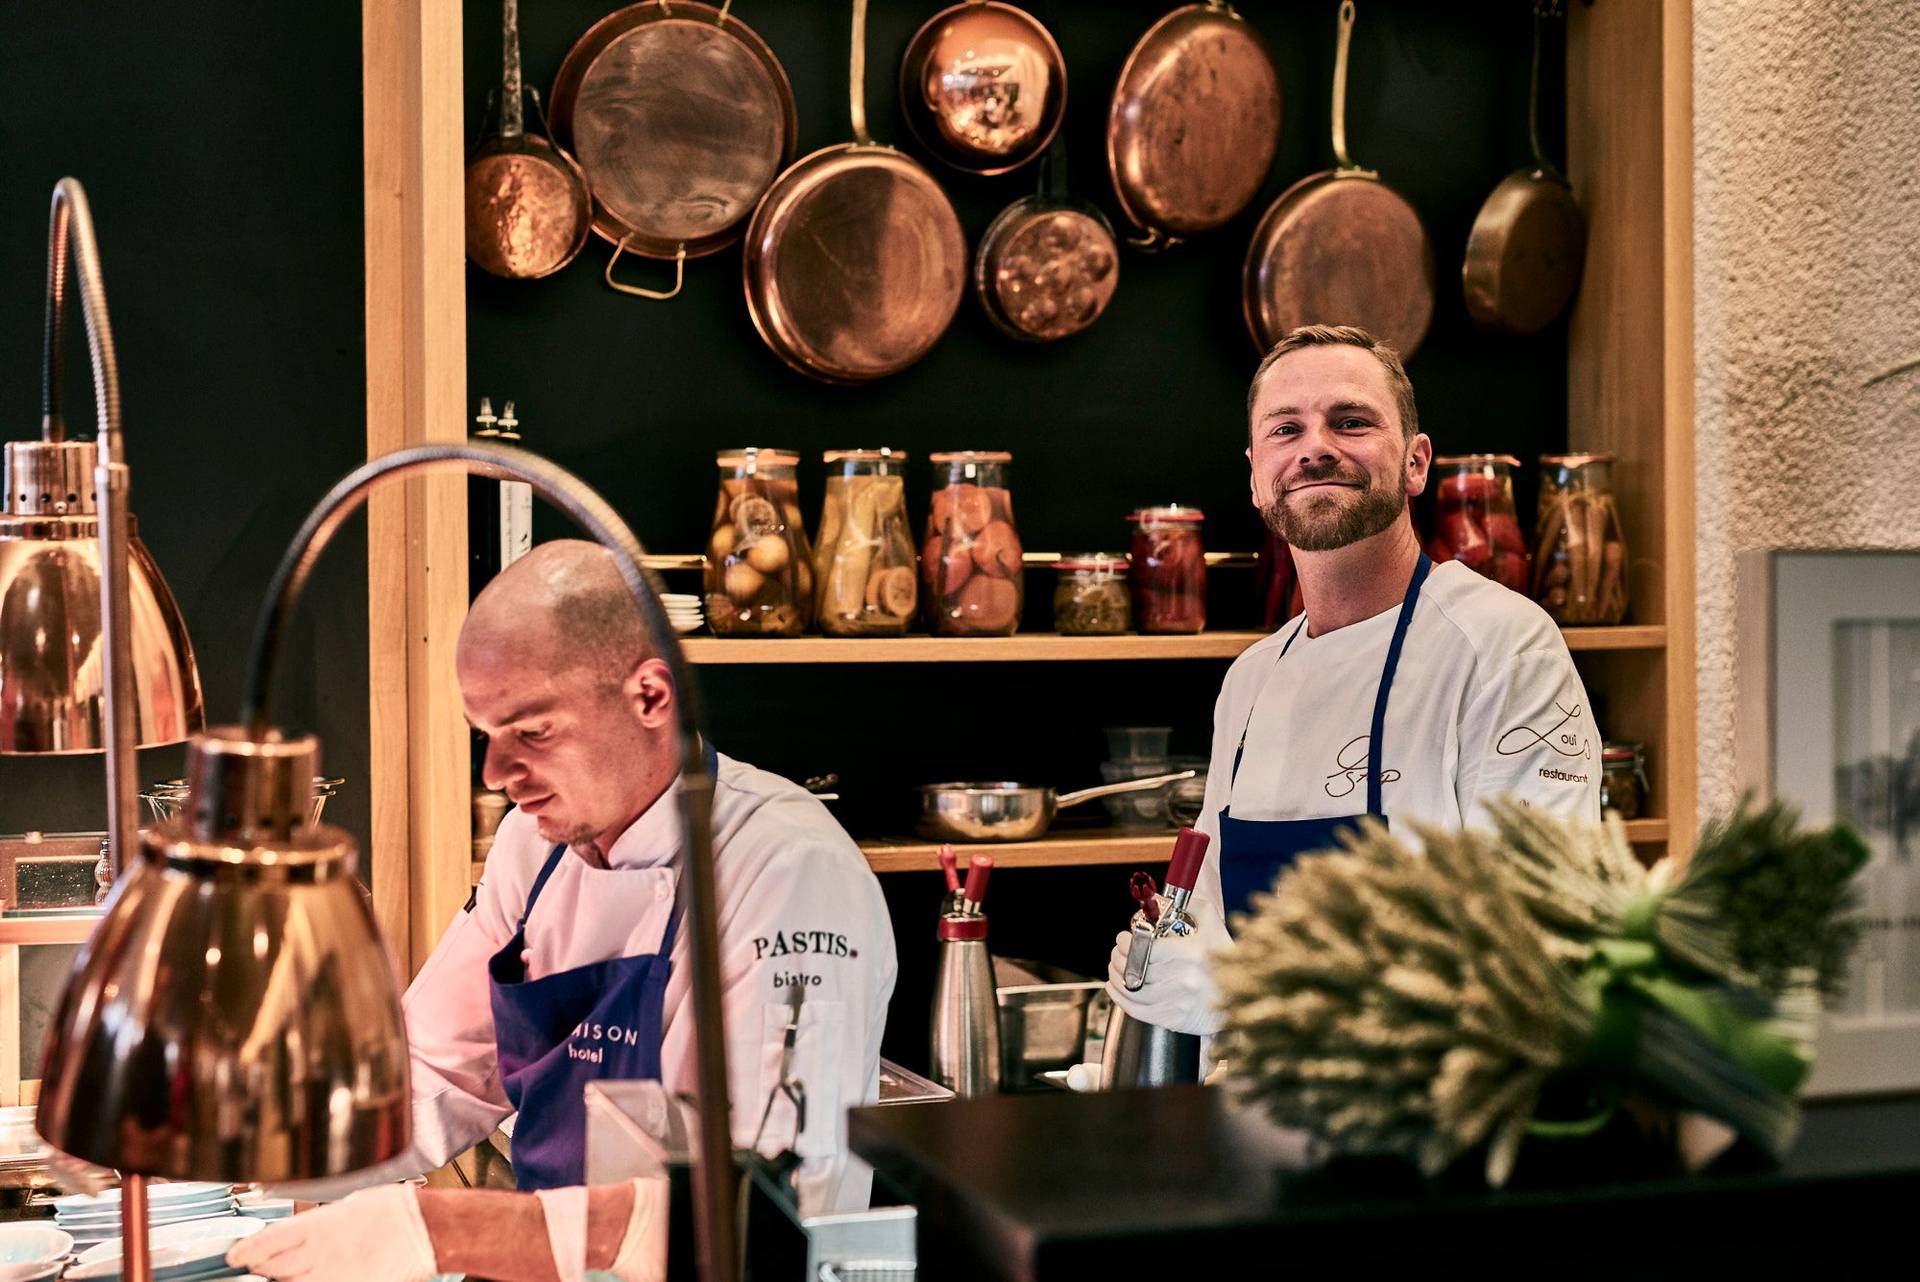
[
  {"x": 971, "y": 563},
  {"x": 759, "y": 575},
  {"x": 1583, "y": 554},
  {"x": 1475, "y": 521},
  {"x": 1169, "y": 567}
]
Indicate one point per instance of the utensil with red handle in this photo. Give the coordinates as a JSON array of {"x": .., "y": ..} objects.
[{"x": 979, "y": 869}]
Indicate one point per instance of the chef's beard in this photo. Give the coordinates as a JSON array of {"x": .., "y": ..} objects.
[{"x": 1323, "y": 526}]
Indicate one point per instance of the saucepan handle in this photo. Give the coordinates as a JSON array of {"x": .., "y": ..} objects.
[
  {"x": 679, "y": 273},
  {"x": 1109, "y": 789}
]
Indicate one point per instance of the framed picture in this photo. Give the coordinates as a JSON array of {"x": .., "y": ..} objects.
[{"x": 1829, "y": 675}]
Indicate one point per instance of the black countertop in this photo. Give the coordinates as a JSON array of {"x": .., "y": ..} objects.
[{"x": 1105, "y": 1185}]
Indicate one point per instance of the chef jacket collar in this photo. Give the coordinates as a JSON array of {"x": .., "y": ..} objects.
[{"x": 652, "y": 840}]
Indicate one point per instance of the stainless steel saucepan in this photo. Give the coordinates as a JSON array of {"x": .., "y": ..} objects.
[{"x": 1009, "y": 811}]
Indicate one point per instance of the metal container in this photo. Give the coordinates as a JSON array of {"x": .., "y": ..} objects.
[
  {"x": 1141, "y": 1054},
  {"x": 1043, "y": 1024},
  {"x": 1000, "y": 811},
  {"x": 966, "y": 1021}
]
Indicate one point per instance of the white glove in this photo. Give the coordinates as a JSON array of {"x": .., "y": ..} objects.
[
  {"x": 1179, "y": 993},
  {"x": 376, "y": 1235}
]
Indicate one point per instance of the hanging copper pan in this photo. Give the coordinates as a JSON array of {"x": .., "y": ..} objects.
[
  {"x": 682, "y": 117},
  {"x": 1340, "y": 248},
  {"x": 1194, "y": 122},
  {"x": 527, "y": 202},
  {"x": 1048, "y": 265},
  {"x": 983, "y": 86},
  {"x": 854, "y": 261},
  {"x": 1529, "y": 243}
]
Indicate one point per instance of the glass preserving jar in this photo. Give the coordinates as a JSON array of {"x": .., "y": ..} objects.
[
  {"x": 1623, "y": 779},
  {"x": 971, "y": 563},
  {"x": 759, "y": 576},
  {"x": 1581, "y": 554},
  {"x": 1090, "y": 598},
  {"x": 1169, "y": 569},
  {"x": 863, "y": 558},
  {"x": 1475, "y": 522}
]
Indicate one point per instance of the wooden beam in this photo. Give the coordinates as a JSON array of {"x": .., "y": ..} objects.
[{"x": 416, "y": 532}]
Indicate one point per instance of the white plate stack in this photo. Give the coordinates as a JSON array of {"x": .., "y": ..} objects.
[
  {"x": 33, "y": 1252},
  {"x": 187, "y": 1251},
  {"x": 683, "y": 611},
  {"x": 94, "y": 1219},
  {"x": 255, "y": 1204}
]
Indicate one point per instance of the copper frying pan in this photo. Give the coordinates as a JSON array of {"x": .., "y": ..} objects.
[
  {"x": 983, "y": 86},
  {"x": 1047, "y": 266},
  {"x": 682, "y": 117},
  {"x": 1193, "y": 124},
  {"x": 526, "y": 200},
  {"x": 1340, "y": 248},
  {"x": 854, "y": 261},
  {"x": 1529, "y": 242}
]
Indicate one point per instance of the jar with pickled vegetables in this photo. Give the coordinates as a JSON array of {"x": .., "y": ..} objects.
[
  {"x": 971, "y": 562},
  {"x": 1475, "y": 521},
  {"x": 1090, "y": 598},
  {"x": 759, "y": 568},
  {"x": 1169, "y": 569},
  {"x": 1580, "y": 552},
  {"x": 863, "y": 554}
]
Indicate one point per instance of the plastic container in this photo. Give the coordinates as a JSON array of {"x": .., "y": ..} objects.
[
  {"x": 1581, "y": 569},
  {"x": 866, "y": 584},
  {"x": 971, "y": 563},
  {"x": 1138, "y": 743},
  {"x": 1623, "y": 779},
  {"x": 759, "y": 578},
  {"x": 1169, "y": 566},
  {"x": 1146, "y": 809},
  {"x": 1475, "y": 521},
  {"x": 1091, "y": 597}
]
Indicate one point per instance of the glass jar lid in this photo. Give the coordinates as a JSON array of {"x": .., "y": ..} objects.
[
  {"x": 1168, "y": 512},
  {"x": 1475, "y": 460},
  {"x": 1575, "y": 460},
  {"x": 882, "y": 455},
  {"x": 971, "y": 456},
  {"x": 751, "y": 457},
  {"x": 1107, "y": 562},
  {"x": 1621, "y": 753}
]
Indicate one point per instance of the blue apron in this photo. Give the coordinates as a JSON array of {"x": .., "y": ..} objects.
[
  {"x": 555, "y": 1034},
  {"x": 1253, "y": 851}
]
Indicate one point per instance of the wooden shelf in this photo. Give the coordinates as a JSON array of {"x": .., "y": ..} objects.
[
  {"x": 1087, "y": 848},
  {"x": 1032, "y": 647}
]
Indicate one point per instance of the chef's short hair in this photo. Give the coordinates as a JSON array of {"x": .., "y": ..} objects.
[{"x": 1350, "y": 336}]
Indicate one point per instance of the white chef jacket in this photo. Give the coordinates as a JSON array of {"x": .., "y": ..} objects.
[
  {"x": 798, "y": 904},
  {"x": 1486, "y": 704}
]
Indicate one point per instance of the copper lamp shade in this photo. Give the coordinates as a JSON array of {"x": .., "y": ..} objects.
[
  {"x": 53, "y": 660},
  {"x": 234, "y": 1016}
]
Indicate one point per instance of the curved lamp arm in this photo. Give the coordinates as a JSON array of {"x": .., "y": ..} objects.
[{"x": 714, "y": 1205}]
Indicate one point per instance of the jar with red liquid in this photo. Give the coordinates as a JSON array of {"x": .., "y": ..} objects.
[
  {"x": 1169, "y": 567},
  {"x": 971, "y": 563},
  {"x": 1475, "y": 522}
]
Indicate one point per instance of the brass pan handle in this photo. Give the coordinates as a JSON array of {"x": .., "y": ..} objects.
[
  {"x": 679, "y": 272},
  {"x": 857, "y": 76},
  {"x": 1340, "y": 157}
]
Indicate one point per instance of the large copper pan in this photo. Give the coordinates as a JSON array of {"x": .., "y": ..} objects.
[
  {"x": 1340, "y": 248},
  {"x": 854, "y": 260},
  {"x": 526, "y": 200},
  {"x": 1529, "y": 242},
  {"x": 1193, "y": 124},
  {"x": 983, "y": 86},
  {"x": 681, "y": 117}
]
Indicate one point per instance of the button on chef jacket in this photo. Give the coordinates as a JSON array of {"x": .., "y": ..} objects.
[
  {"x": 1486, "y": 703},
  {"x": 797, "y": 904}
]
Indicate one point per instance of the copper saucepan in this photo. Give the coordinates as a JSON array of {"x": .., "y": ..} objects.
[
  {"x": 682, "y": 118},
  {"x": 1048, "y": 265},
  {"x": 854, "y": 261},
  {"x": 1340, "y": 248},
  {"x": 526, "y": 200},
  {"x": 1529, "y": 242},
  {"x": 997, "y": 811},
  {"x": 1193, "y": 124},
  {"x": 983, "y": 86}
]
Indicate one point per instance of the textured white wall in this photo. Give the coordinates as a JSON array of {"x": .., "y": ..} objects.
[{"x": 1806, "y": 286}]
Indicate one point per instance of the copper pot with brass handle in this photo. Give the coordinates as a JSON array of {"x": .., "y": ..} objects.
[
  {"x": 1048, "y": 265},
  {"x": 1193, "y": 124},
  {"x": 527, "y": 204},
  {"x": 854, "y": 261},
  {"x": 983, "y": 86}
]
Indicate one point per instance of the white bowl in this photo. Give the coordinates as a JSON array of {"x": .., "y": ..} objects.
[{"x": 31, "y": 1247}]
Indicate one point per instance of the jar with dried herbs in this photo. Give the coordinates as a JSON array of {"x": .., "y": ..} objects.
[
  {"x": 1580, "y": 554},
  {"x": 1623, "y": 779},
  {"x": 864, "y": 556},
  {"x": 759, "y": 575},
  {"x": 971, "y": 563},
  {"x": 1090, "y": 599}
]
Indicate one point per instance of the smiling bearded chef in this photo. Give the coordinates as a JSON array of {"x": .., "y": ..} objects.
[
  {"x": 1410, "y": 691},
  {"x": 570, "y": 963}
]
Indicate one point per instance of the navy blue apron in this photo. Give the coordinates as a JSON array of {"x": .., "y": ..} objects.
[
  {"x": 1253, "y": 851},
  {"x": 555, "y": 1034}
]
